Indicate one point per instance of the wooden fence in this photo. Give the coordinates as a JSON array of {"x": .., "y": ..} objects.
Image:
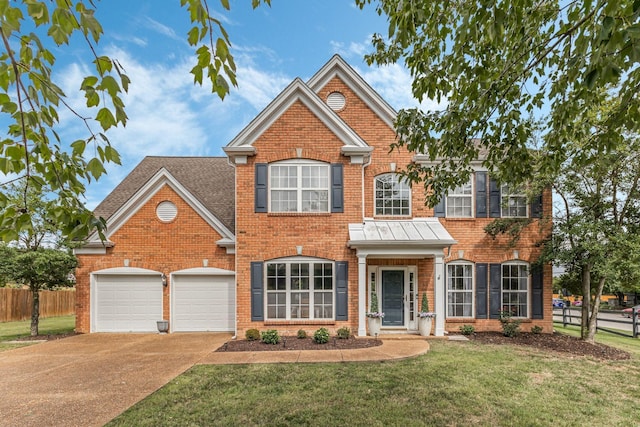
[{"x": 15, "y": 304}]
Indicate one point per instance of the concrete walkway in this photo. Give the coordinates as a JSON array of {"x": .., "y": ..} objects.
[{"x": 87, "y": 380}]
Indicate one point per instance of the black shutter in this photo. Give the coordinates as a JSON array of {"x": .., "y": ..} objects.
[
  {"x": 537, "y": 301},
  {"x": 494, "y": 199},
  {"x": 536, "y": 207},
  {"x": 261, "y": 187},
  {"x": 342, "y": 285},
  {"x": 481, "y": 291},
  {"x": 495, "y": 290},
  {"x": 481, "y": 194},
  {"x": 439, "y": 209},
  {"x": 337, "y": 188},
  {"x": 257, "y": 291}
]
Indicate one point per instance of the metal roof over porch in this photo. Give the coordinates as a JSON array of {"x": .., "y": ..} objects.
[{"x": 400, "y": 237}]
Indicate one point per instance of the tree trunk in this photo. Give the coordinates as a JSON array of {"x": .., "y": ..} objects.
[
  {"x": 586, "y": 301},
  {"x": 594, "y": 313},
  {"x": 35, "y": 313}
]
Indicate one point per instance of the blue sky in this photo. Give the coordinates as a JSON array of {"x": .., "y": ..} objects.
[{"x": 168, "y": 115}]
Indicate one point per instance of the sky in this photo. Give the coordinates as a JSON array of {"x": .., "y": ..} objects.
[{"x": 170, "y": 116}]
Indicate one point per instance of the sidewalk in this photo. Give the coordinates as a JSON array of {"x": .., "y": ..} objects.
[{"x": 393, "y": 348}]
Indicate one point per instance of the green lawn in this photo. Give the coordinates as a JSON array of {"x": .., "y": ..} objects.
[
  {"x": 456, "y": 383},
  {"x": 628, "y": 344},
  {"x": 52, "y": 325}
]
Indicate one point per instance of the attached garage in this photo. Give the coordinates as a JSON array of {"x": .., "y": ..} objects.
[
  {"x": 203, "y": 299},
  {"x": 126, "y": 300}
]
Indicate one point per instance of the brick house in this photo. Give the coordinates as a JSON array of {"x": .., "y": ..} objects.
[{"x": 300, "y": 223}]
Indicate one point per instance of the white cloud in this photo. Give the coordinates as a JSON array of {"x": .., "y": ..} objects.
[{"x": 161, "y": 29}]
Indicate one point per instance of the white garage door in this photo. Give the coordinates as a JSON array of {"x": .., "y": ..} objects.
[
  {"x": 127, "y": 303},
  {"x": 203, "y": 303}
]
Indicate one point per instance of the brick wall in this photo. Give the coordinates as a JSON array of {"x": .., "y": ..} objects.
[{"x": 152, "y": 244}]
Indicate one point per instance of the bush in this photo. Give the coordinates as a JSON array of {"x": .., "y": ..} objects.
[
  {"x": 510, "y": 327},
  {"x": 252, "y": 334},
  {"x": 302, "y": 334},
  {"x": 467, "y": 330},
  {"x": 270, "y": 337},
  {"x": 321, "y": 336},
  {"x": 536, "y": 329},
  {"x": 343, "y": 333}
]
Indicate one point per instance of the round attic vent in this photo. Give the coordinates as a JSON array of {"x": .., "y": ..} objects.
[
  {"x": 166, "y": 211},
  {"x": 336, "y": 101}
]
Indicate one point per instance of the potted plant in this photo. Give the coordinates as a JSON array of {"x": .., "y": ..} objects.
[
  {"x": 374, "y": 317},
  {"x": 425, "y": 317}
]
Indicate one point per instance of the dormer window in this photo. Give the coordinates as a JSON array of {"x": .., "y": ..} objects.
[
  {"x": 392, "y": 196},
  {"x": 299, "y": 186}
]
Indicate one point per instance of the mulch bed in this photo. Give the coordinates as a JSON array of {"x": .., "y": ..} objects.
[
  {"x": 295, "y": 343},
  {"x": 50, "y": 337},
  {"x": 554, "y": 342}
]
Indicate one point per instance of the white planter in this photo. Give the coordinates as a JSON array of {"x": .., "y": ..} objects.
[
  {"x": 374, "y": 324},
  {"x": 163, "y": 326},
  {"x": 424, "y": 326}
]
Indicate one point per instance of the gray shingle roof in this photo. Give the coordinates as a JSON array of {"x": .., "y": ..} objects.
[{"x": 208, "y": 179}]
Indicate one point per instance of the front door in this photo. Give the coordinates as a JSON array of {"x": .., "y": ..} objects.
[{"x": 393, "y": 298}]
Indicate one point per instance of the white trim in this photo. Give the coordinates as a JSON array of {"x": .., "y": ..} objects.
[
  {"x": 298, "y": 164},
  {"x": 127, "y": 271},
  {"x": 473, "y": 200},
  {"x": 528, "y": 291},
  {"x": 375, "y": 199},
  {"x": 146, "y": 192},
  {"x": 337, "y": 67},
  {"x": 473, "y": 288},
  {"x": 204, "y": 271},
  {"x": 296, "y": 91}
]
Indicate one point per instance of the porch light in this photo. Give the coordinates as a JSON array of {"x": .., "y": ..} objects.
[{"x": 164, "y": 279}]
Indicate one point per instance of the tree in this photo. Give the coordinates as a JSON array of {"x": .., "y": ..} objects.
[
  {"x": 7, "y": 254},
  {"x": 32, "y": 153},
  {"x": 40, "y": 270},
  {"x": 41, "y": 231},
  {"x": 597, "y": 225},
  {"x": 497, "y": 63}
]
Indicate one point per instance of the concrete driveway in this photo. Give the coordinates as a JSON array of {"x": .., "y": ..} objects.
[{"x": 87, "y": 380}]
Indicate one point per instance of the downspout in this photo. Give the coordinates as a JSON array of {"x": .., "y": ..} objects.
[
  {"x": 363, "y": 199},
  {"x": 235, "y": 256}
]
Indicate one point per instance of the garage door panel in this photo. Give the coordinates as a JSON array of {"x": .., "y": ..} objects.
[
  {"x": 203, "y": 303},
  {"x": 127, "y": 303}
]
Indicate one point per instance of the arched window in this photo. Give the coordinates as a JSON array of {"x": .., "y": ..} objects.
[
  {"x": 392, "y": 196},
  {"x": 299, "y": 186},
  {"x": 300, "y": 288}
]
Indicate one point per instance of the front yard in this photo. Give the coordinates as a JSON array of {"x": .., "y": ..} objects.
[
  {"x": 10, "y": 331},
  {"x": 456, "y": 383}
]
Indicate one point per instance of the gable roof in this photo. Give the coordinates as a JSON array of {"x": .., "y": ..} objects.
[
  {"x": 338, "y": 67},
  {"x": 296, "y": 91},
  {"x": 210, "y": 180}
]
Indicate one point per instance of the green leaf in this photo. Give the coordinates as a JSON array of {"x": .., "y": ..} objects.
[
  {"x": 95, "y": 168},
  {"x": 105, "y": 118}
]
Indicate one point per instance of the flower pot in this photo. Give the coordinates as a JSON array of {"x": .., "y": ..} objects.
[
  {"x": 163, "y": 326},
  {"x": 374, "y": 324},
  {"x": 424, "y": 326}
]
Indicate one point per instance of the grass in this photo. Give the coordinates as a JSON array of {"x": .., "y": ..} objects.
[
  {"x": 53, "y": 325},
  {"x": 632, "y": 345},
  {"x": 456, "y": 383}
]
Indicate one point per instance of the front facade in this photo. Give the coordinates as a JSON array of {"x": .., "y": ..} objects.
[{"x": 320, "y": 222}]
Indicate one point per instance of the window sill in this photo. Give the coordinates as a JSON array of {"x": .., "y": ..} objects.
[
  {"x": 299, "y": 322},
  {"x": 460, "y": 218}
]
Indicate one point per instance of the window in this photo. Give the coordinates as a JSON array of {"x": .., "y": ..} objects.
[
  {"x": 460, "y": 202},
  {"x": 300, "y": 290},
  {"x": 460, "y": 290},
  {"x": 392, "y": 197},
  {"x": 515, "y": 289},
  {"x": 514, "y": 202},
  {"x": 299, "y": 187}
]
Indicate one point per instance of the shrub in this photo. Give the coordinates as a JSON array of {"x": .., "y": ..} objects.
[
  {"x": 467, "y": 330},
  {"x": 321, "y": 336},
  {"x": 270, "y": 337},
  {"x": 343, "y": 333},
  {"x": 536, "y": 329},
  {"x": 510, "y": 327},
  {"x": 302, "y": 334},
  {"x": 252, "y": 334}
]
